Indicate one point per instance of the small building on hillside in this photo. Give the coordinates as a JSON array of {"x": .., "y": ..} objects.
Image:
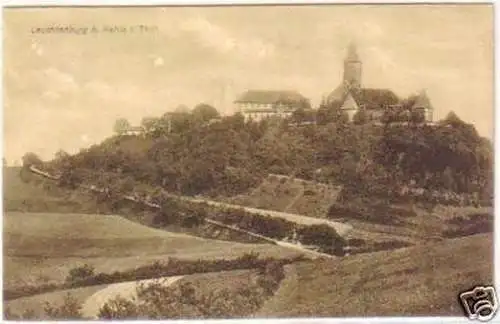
[
  {"x": 261, "y": 104},
  {"x": 423, "y": 105},
  {"x": 134, "y": 130},
  {"x": 352, "y": 97}
]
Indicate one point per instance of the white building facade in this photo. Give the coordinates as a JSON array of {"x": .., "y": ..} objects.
[{"x": 261, "y": 104}]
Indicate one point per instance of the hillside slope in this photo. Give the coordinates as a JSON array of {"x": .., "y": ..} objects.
[
  {"x": 35, "y": 196},
  {"x": 42, "y": 247},
  {"x": 418, "y": 281},
  {"x": 292, "y": 195}
]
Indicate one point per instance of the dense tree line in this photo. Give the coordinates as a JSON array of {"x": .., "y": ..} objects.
[{"x": 199, "y": 152}]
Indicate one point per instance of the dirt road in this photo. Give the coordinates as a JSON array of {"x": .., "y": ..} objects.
[
  {"x": 91, "y": 306},
  {"x": 341, "y": 228}
]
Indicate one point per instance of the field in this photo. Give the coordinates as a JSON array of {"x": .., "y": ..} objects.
[
  {"x": 21, "y": 196},
  {"x": 43, "y": 247},
  {"x": 419, "y": 281}
]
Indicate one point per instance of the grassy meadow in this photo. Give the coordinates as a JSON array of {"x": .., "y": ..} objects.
[{"x": 419, "y": 281}]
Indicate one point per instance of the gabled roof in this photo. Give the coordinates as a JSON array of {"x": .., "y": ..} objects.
[
  {"x": 339, "y": 94},
  {"x": 350, "y": 103},
  {"x": 271, "y": 97},
  {"x": 374, "y": 98}
]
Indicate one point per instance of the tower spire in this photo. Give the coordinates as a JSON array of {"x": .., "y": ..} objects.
[
  {"x": 352, "y": 53},
  {"x": 352, "y": 67}
]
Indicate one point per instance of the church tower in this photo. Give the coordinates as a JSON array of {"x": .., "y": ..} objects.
[{"x": 352, "y": 68}]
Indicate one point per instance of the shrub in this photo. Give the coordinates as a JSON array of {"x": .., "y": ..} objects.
[
  {"x": 155, "y": 301},
  {"x": 80, "y": 273},
  {"x": 322, "y": 235},
  {"x": 356, "y": 242},
  {"x": 309, "y": 192},
  {"x": 271, "y": 275},
  {"x": 249, "y": 258},
  {"x": 118, "y": 308},
  {"x": 70, "y": 309}
]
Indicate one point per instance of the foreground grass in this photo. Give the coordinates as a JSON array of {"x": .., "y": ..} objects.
[
  {"x": 36, "y": 304},
  {"x": 419, "y": 281}
]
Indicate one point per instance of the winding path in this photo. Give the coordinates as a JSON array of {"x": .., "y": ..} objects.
[
  {"x": 128, "y": 290},
  {"x": 341, "y": 228}
]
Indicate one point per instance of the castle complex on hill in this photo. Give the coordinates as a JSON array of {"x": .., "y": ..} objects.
[{"x": 350, "y": 96}]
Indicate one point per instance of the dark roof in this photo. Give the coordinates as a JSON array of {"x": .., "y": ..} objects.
[
  {"x": 417, "y": 101},
  {"x": 374, "y": 98},
  {"x": 271, "y": 97},
  {"x": 339, "y": 94}
]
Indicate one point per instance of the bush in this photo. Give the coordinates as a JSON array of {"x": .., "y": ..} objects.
[
  {"x": 355, "y": 242},
  {"x": 155, "y": 301},
  {"x": 70, "y": 309},
  {"x": 80, "y": 273},
  {"x": 271, "y": 276},
  {"x": 324, "y": 236},
  {"x": 309, "y": 192},
  {"x": 249, "y": 258},
  {"x": 118, "y": 308}
]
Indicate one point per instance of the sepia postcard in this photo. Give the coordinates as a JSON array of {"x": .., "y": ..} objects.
[{"x": 248, "y": 162}]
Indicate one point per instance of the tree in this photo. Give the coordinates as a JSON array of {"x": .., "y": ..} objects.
[
  {"x": 302, "y": 115},
  {"x": 80, "y": 273},
  {"x": 203, "y": 112},
  {"x": 331, "y": 113},
  {"x": 31, "y": 159},
  {"x": 61, "y": 155},
  {"x": 180, "y": 122},
  {"x": 299, "y": 115},
  {"x": 121, "y": 126},
  {"x": 70, "y": 309},
  {"x": 150, "y": 124},
  {"x": 452, "y": 119}
]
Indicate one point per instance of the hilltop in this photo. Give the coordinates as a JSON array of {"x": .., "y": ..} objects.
[{"x": 410, "y": 190}]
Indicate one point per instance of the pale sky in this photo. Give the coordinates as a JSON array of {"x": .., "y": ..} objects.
[{"x": 64, "y": 91}]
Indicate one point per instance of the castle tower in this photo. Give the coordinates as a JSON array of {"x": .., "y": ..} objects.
[{"x": 352, "y": 68}]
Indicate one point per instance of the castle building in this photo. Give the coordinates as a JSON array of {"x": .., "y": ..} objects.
[
  {"x": 352, "y": 97},
  {"x": 261, "y": 104}
]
